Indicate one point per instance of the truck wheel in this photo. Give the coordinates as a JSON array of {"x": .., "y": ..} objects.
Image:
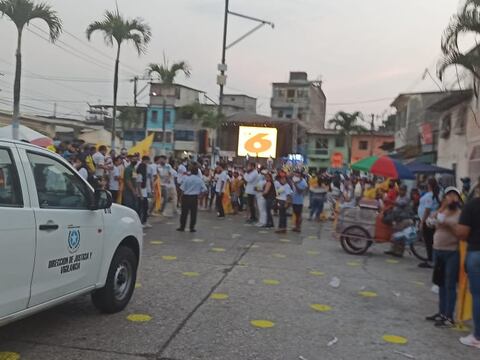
[{"x": 120, "y": 284}]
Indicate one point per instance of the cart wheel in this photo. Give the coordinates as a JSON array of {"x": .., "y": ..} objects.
[
  {"x": 355, "y": 240},
  {"x": 419, "y": 249}
]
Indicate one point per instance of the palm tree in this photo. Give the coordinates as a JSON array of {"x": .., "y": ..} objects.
[
  {"x": 115, "y": 27},
  {"x": 168, "y": 73},
  {"x": 21, "y": 12},
  {"x": 466, "y": 21},
  {"x": 346, "y": 124}
]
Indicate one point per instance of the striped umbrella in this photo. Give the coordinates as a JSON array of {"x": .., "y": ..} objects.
[{"x": 384, "y": 166}]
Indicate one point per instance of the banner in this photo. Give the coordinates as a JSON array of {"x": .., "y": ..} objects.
[
  {"x": 143, "y": 147},
  {"x": 257, "y": 142}
]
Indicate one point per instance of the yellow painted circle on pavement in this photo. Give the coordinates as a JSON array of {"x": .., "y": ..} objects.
[
  {"x": 312, "y": 237},
  {"x": 139, "y": 317},
  {"x": 368, "y": 294},
  {"x": 311, "y": 252},
  {"x": 190, "y": 274},
  {"x": 418, "y": 283},
  {"x": 317, "y": 273},
  {"x": 9, "y": 356},
  {"x": 263, "y": 232},
  {"x": 217, "y": 249},
  {"x": 394, "y": 339},
  {"x": 156, "y": 242},
  {"x": 219, "y": 296},
  {"x": 392, "y": 261},
  {"x": 198, "y": 240},
  {"x": 353, "y": 263},
  {"x": 285, "y": 240},
  {"x": 262, "y": 324},
  {"x": 169, "y": 258},
  {"x": 254, "y": 246},
  {"x": 280, "y": 256},
  {"x": 169, "y": 223},
  {"x": 321, "y": 307},
  {"x": 271, "y": 282},
  {"x": 138, "y": 285}
]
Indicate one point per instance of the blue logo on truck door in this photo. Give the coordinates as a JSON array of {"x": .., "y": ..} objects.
[{"x": 73, "y": 240}]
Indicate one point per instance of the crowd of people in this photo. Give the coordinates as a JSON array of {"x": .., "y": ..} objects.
[{"x": 443, "y": 216}]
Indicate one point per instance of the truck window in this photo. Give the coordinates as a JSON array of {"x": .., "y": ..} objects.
[
  {"x": 58, "y": 187},
  {"x": 10, "y": 192}
]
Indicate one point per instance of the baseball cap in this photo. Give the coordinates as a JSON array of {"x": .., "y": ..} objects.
[{"x": 453, "y": 189}]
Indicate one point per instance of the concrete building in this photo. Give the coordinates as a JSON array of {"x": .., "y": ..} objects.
[
  {"x": 239, "y": 101},
  {"x": 377, "y": 144},
  {"x": 299, "y": 98},
  {"x": 325, "y": 148},
  {"x": 452, "y": 151},
  {"x": 165, "y": 100},
  {"x": 417, "y": 124}
]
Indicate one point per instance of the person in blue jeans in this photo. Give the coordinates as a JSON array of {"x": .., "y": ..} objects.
[
  {"x": 447, "y": 257},
  {"x": 469, "y": 229}
]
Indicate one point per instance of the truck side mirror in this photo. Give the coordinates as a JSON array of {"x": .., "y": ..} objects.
[{"x": 102, "y": 199}]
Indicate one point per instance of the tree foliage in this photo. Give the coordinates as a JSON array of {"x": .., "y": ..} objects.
[{"x": 167, "y": 72}]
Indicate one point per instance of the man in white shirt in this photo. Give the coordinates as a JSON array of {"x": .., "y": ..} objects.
[
  {"x": 114, "y": 183},
  {"x": 220, "y": 189},
  {"x": 164, "y": 171},
  {"x": 251, "y": 178},
  {"x": 99, "y": 161}
]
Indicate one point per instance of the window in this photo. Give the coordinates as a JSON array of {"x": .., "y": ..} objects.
[
  {"x": 154, "y": 116},
  {"x": 321, "y": 146},
  {"x": 460, "y": 124},
  {"x": 288, "y": 116},
  {"x": 446, "y": 127},
  {"x": 363, "y": 145},
  {"x": 58, "y": 187},
  {"x": 339, "y": 141},
  {"x": 321, "y": 143},
  {"x": 184, "y": 135},
  {"x": 280, "y": 114},
  {"x": 290, "y": 93},
  {"x": 302, "y": 93},
  {"x": 279, "y": 93},
  {"x": 166, "y": 117},
  {"x": 10, "y": 191},
  {"x": 168, "y": 138},
  {"x": 157, "y": 136}
]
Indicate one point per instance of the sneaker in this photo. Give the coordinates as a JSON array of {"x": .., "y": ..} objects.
[
  {"x": 281, "y": 231},
  {"x": 296, "y": 230},
  {"x": 425, "y": 265},
  {"x": 470, "y": 340},
  {"x": 180, "y": 229},
  {"x": 259, "y": 225},
  {"x": 436, "y": 317},
  {"x": 193, "y": 230},
  {"x": 445, "y": 323},
  {"x": 147, "y": 225}
]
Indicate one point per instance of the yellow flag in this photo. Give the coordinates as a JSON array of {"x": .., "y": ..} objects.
[
  {"x": 143, "y": 147},
  {"x": 464, "y": 297}
]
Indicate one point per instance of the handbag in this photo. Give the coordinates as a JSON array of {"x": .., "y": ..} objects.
[{"x": 438, "y": 277}]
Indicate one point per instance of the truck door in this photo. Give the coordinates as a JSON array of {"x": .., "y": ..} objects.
[
  {"x": 17, "y": 235},
  {"x": 69, "y": 235}
]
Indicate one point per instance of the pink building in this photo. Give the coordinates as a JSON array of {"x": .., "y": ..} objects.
[{"x": 364, "y": 145}]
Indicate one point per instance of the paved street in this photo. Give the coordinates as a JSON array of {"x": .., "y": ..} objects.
[{"x": 200, "y": 293}]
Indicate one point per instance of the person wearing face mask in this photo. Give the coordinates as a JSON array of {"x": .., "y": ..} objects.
[
  {"x": 446, "y": 257},
  {"x": 78, "y": 165}
]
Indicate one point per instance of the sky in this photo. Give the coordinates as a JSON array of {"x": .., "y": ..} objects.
[{"x": 365, "y": 52}]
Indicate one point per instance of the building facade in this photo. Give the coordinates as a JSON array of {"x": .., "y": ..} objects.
[
  {"x": 365, "y": 145},
  {"x": 325, "y": 149},
  {"x": 299, "y": 98}
]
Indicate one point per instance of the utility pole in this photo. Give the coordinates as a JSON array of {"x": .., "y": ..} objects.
[
  {"x": 135, "y": 83},
  {"x": 372, "y": 133},
  {"x": 222, "y": 67},
  {"x": 164, "y": 118},
  {"x": 54, "y": 110}
]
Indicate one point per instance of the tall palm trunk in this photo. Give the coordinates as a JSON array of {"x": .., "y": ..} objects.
[
  {"x": 115, "y": 90},
  {"x": 16, "y": 88}
]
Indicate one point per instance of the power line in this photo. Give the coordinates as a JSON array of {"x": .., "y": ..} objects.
[
  {"x": 75, "y": 52},
  {"x": 96, "y": 50},
  {"x": 54, "y": 81}
]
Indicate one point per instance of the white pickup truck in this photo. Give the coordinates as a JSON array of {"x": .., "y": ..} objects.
[{"x": 59, "y": 238}]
